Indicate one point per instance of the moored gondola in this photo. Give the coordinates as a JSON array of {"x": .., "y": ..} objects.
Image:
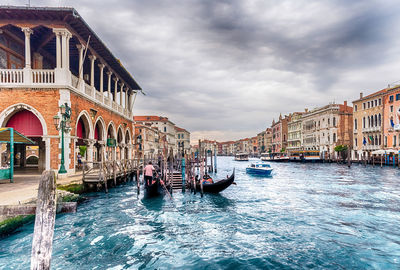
[
  {"x": 155, "y": 188},
  {"x": 218, "y": 186}
]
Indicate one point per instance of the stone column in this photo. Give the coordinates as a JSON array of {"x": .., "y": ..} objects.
[
  {"x": 68, "y": 37},
  {"x": 120, "y": 94},
  {"x": 101, "y": 66},
  {"x": 58, "y": 49},
  {"x": 81, "y": 48},
  {"x": 109, "y": 74},
  {"x": 27, "y": 31},
  {"x": 115, "y": 88},
  {"x": 126, "y": 98},
  {"x": 90, "y": 151},
  {"x": 92, "y": 59}
]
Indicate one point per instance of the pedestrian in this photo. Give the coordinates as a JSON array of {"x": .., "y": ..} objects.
[
  {"x": 148, "y": 173},
  {"x": 79, "y": 160}
]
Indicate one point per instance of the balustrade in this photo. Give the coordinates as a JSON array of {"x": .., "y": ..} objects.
[
  {"x": 44, "y": 76},
  {"x": 11, "y": 76}
]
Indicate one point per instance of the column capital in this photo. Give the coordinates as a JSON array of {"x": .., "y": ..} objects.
[
  {"x": 62, "y": 32},
  {"x": 109, "y": 73},
  {"x": 80, "y": 47},
  {"x": 92, "y": 57},
  {"x": 116, "y": 79},
  {"x": 101, "y": 65},
  {"x": 121, "y": 84},
  {"x": 27, "y": 31}
]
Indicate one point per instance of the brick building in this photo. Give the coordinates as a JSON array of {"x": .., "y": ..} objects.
[{"x": 50, "y": 57}]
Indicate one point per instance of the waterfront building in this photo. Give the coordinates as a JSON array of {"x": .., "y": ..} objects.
[
  {"x": 261, "y": 141},
  {"x": 242, "y": 146},
  {"x": 391, "y": 118},
  {"x": 295, "y": 130},
  {"x": 326, "y": 127},
  {"x": 227, "y": 148},
  {"x": 147, "y": 140},
  {"x": 280, "y": 134},
  {"x": 44, "y": 72},
  {"x": 253, "y": 146},
  {"x": 182, "y": 140},
  {"x": 268, "y": 140},
  {"x": 164, "y": 125},
  {"x": 368, "y": 121}
]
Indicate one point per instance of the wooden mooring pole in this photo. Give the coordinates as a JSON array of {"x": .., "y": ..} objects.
[{"x": 42, "y": 243}]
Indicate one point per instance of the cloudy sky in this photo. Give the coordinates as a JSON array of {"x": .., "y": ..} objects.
[{"x": 225, "y": 69}]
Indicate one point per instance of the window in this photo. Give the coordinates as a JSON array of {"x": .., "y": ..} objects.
[
  {"x": 391, "y": 98},
  {"x": 380, "y": 139},
  {"x": 165, "y": 129},
  {"x": 394, "y": 140},
  {"x": 355, "y": 123},
  {"x": 355, "y": 108},
  {"x": 364, "y": 122},
  {"x": 385, "y": 141},
  {"x": 379, "y": 120},
  {"x": 364, "y": 105},
  {"x": 329, "y": 121},
  {"x": 334, "y": 137},
  {"x": 334, "y": 121},
  {"x": 379, "y": 102},
  {"x": 376, "y": 102},
  {"x": 355, "y": 141},
  {"x": 376, "y": 120},
  {"x": 397, "y": 96},
  {"x": 182, "y": 136},
  {"x": 369, "y": 105},
  {"x": 11, "y": 53},
  {"x": 391, "y": 108}
]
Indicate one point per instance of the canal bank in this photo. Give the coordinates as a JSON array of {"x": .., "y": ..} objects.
[{"x": 306, "y": 215}]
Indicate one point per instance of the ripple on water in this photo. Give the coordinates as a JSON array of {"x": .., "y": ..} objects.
[{"x": 305, "y": 216}]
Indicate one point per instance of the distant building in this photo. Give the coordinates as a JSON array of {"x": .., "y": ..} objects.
[
  {"x": 147, "y": 141},
  {"x": 391, "y": 119},
  {"x": 280, "y": 134},
  {"x": 164, "y": 125},
  {"x": 182, "y": 140},
  {"x": 295, "y": 131},
  {"x": 326, "y": 127},
  {"x": 368, "y": 124}
]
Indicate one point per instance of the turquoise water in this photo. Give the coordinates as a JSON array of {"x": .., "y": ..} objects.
[{"x": 322, "y": 216}]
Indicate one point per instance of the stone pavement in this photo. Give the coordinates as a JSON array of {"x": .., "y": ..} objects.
[{"x": 25, "y": 186}]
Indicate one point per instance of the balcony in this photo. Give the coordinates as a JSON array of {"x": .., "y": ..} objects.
[
  {"x": 53, "y": 78},
  {"x": 372, "y": 129},
  {"x": 371, "y": 147}
]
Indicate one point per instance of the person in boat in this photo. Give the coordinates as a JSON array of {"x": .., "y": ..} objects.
[
  {"x": 148, "y": 173},
  {"x": 207, "y": 179}
]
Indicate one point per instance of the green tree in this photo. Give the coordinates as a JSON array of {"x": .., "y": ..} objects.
[{"x": 342, "y": 151}]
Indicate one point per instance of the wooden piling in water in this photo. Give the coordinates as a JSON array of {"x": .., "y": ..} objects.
[{"x": 42, "y": 243}]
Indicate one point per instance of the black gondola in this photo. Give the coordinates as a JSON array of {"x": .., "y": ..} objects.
[
  {"x": 218, "y": 186},
  {"x": 155, "y": 189}
]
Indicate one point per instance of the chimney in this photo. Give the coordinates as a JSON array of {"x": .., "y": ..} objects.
[
  {"x": 345, "y": 103},
  {"x": 361, "y": 95}
]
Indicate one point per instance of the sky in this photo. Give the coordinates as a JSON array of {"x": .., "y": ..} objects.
[{"x": 225, "y": 69}]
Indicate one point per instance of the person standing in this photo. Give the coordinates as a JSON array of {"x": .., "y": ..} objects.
[{"x": 148, "y": 173}]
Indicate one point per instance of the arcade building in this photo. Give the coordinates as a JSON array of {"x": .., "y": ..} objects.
[{"x": 59, "y": 80}]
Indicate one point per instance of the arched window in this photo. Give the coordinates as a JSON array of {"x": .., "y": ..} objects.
[
  {"x": 355, "y": 123},
  {"x": 334, "y": 121},
  {"x": 379, "y": 119},
  {"x": 376, "y": 120},
  {"x": 334, "y": 137},
  {"x": 364, "y": 122},
  {"x": 376, "y": 140}
]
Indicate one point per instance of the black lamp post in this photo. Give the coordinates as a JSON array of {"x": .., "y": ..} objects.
[{"x": 63, "y": 124}]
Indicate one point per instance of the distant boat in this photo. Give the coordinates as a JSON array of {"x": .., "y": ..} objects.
[
  {"x": 259, "y": 169},
  {"x": 242, "y": 157},
  {"x": 265, "y": 157}
]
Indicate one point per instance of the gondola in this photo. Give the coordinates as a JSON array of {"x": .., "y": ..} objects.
[
  {"x": 218, "y": 186},
  {"x": 155, "y": 189}
]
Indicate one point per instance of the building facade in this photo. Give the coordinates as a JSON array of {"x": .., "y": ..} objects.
[
  {"x": 295, "y": 129},
  {"x": 182, "y": 140},
  {"x": 368, "y": 124},
  {"x": 43, "y": 70},
  {"x": 391, "y": 119}
]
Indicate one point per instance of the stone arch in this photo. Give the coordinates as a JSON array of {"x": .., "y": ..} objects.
[
  {"x": 111, "y": 131},
  {"x": 43, "y": 141},
  {"x": 128, "y": 136},
  {"x": 13, "y": 109},
  {"x": 101, "y": 134},
  {"x": 120, "y": 134},
  {"x": 128, "y": 142},
  {"x": 88, "y": 125}
]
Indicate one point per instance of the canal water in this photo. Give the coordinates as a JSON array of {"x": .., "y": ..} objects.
[{"x": 322, "y": 216}]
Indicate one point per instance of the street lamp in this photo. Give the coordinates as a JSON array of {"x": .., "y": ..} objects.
[{"x": 63, "y": 124}]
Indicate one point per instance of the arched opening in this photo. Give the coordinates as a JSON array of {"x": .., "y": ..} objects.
[
  {"x": 110, "y": 150},
  {"x": 27, "y": 123},
  {"x": 120, "y": 140},
  {"x": 99, "y": 128},
  {"x": 127, "y": 144},
  {"x": 82, "y": 133}
]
